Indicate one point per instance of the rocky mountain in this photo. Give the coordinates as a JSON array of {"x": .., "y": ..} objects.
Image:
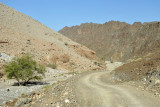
[
  {"x": 117, "y": 41},
  {"x": 20, "y": 34}
]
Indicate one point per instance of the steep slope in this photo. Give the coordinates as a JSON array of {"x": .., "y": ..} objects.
[
  {"x": 20, "y": 34},
  {"x": 117, "y": 41}
]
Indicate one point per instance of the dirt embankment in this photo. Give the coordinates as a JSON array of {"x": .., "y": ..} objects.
[{"x": 144, "y": 72}]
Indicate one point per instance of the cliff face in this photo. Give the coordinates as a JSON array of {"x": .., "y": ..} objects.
[
  {"x": 20, "y": 34},
  {"x": 117, "y": 41}
]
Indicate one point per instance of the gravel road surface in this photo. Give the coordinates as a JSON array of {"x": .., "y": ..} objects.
[{"x": 95, "y": 90}]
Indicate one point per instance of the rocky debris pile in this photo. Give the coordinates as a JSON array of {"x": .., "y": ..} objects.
[
  {"x": 112, "y": 65},
  {"x": 151, "y": 81},
  {"x": 22, "y": 101},
  {"x": 12, "y": 92},
  {"x": 3, "y": 59},
  {"x": 152, "y": 77},
  {"x": 143, "y": 72},
  {"x": 138, "y": 69},
  {"x": 60, "y": 94}
]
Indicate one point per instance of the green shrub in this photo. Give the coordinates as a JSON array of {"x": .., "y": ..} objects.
[
  {"x": 103, "y": 58},
  {"x": 97, "y": 63},
  {"x": 22, "y": 94},
  {"x": 65, "y": 43},
  {"x": 53, "y": 66},
  {"x": 24, "y": 69}
]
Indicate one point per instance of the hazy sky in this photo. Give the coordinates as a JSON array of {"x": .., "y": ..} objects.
[{"x": 59, "y": 13}]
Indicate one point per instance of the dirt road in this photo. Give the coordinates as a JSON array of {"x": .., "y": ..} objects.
[{"x": 94, "y": 90}]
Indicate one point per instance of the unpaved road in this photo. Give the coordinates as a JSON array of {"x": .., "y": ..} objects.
[{"x": 94, "y": 90}]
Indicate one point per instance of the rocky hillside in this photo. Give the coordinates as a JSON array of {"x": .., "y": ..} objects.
[
  {"x": 145, "y": 67},
  {"x": 117, "y": 41},
  {"x": 20, "y": 34}
]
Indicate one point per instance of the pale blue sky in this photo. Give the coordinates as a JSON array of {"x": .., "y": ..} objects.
[{"x": 59, "y": 13}]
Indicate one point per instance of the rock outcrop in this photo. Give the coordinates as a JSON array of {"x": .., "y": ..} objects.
[{"x": 117, "y": 41}]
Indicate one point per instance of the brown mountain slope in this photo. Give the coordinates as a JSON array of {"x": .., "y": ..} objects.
[
  {"x": 117, "y": 41},
  {"x": 21, "y": 34}
]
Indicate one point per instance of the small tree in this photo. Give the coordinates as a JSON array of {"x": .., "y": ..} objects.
[{"x": 24, "y": 69}]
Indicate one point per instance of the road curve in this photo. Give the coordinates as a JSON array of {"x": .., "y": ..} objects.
[{"x": 91, "y": 91}]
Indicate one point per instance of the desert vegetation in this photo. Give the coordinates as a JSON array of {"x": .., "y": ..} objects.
[
  {"x": 53, "y": 66},
  {"x": 24, "y": 69}
]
